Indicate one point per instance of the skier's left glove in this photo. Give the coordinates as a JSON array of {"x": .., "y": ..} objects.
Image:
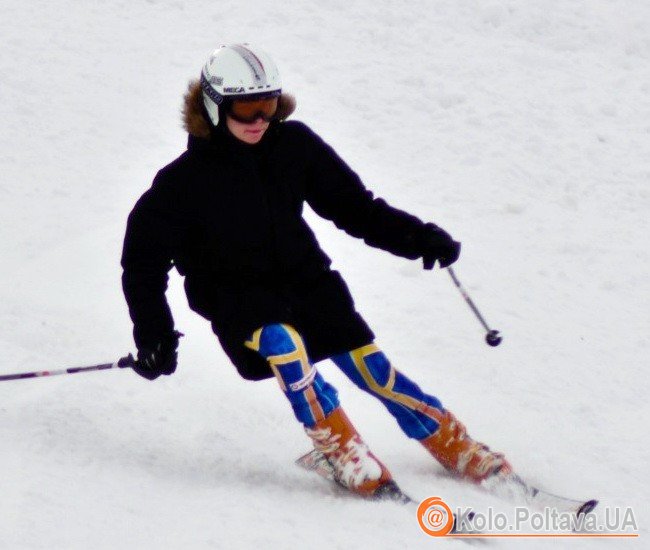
[
  {"x": 438, "y": 245},
  {"x": 159, "y": 359}
]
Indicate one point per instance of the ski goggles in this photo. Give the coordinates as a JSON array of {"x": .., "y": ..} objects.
[{"x": 248, "y": 111}]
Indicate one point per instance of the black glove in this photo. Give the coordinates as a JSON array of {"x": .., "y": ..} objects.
[
  {"x": 161, "y": 359},
  {"x": 438, "y": 245}
]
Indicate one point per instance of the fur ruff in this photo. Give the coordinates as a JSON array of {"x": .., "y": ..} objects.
[{"x": 195, "y": 121}]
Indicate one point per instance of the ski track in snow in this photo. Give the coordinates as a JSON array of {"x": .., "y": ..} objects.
[{"x": 522, "y": 128}]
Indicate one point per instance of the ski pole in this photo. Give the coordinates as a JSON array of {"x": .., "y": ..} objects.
[
  {"x": 124, "y": 362},
  {"x": 493, "y": 338}
]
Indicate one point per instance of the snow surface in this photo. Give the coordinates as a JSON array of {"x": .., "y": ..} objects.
[{"x": 521, "y": 127}]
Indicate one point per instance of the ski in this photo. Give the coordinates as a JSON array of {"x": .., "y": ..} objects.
[
  {"x": 510, "y": 487},
  {"x": 315, "y": 461},
  {"x": 514, "y": 488}
]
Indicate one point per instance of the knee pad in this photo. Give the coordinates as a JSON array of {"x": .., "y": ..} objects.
[
  {"x": 282, "y": 346},
  {"x": 368, "y": 368},
  {"x": 275, "y": 339}
]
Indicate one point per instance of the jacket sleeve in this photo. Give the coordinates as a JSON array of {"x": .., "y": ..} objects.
[
  {"x": 146, "y": 260},
  {"x": 336, "y": 193}
]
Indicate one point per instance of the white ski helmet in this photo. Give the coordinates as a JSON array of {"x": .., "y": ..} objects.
[{"x": 235, "y": 71}]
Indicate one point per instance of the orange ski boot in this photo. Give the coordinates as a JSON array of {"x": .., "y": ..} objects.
[
  {"x": 355, "y": 467},
  {"x": 460, "y": 454}
]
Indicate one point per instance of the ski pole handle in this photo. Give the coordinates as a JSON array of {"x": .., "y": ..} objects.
[
  {"x": 493, "y": 338},
  {"x": 124, "y": 362}
]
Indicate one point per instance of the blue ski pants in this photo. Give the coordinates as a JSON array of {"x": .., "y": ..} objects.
[{"x": 312, "y": 398}]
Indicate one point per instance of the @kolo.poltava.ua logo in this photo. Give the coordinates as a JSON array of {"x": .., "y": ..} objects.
[{"x": 435, "y": 517}]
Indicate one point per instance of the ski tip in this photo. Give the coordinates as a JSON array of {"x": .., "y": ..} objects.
[{"x": 587, "y": 507}]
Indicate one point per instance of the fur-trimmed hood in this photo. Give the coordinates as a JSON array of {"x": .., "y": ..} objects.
[{"x": 195, "y": 121}]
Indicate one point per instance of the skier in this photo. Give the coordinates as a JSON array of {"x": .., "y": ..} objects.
[{"x": 227, "y": 214}]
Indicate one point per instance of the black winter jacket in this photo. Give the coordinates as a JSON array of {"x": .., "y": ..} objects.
[{"x": 228, "y": 216}]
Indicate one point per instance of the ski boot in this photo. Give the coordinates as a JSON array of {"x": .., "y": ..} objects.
[
  {"x": 459, "y": 453},
  {"x": 354, "y": 466}
]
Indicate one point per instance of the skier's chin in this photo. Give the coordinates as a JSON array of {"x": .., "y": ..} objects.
[{"x": 252, "y": 136}]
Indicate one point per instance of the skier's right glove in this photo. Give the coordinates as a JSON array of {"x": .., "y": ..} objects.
[
  {"x": 160, "y": 359},
  {"x": 438, "y": 245}
]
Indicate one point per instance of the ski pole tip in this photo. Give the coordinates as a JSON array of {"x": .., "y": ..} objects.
[{"x": 493, "y": 338}]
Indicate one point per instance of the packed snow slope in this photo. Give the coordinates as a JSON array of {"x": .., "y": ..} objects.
[{"x": 521, "y": 127}]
